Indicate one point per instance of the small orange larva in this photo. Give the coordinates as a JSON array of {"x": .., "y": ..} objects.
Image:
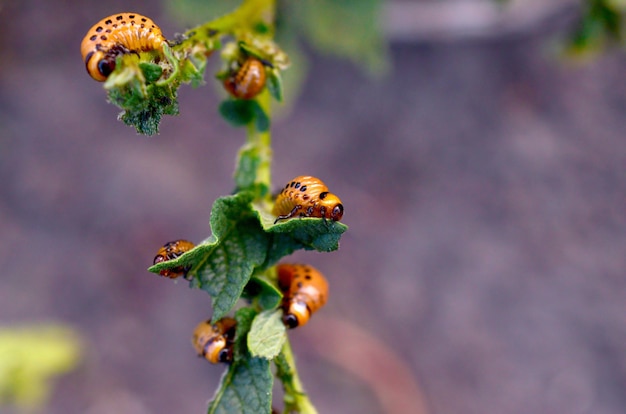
[
  {"x": 215, "y": 341},
  {"x": 305, "y": 290},
  {"x": 116, "y": 35},
  {"x": 307, "y": 196},
  {"x": 248, "y": 80},
  {"x": 170, "y": 251}
]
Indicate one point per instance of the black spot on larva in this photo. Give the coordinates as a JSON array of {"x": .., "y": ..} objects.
[
  {"x": 307, "y": 277},
  {"x": 115, "y": 25},
  {"x": 94, "y": 37},
  {"x": 103, "y": 37},
  {"x": 287, "y": 186},
  {"x": 323, "y": 195},
  {"x": 143, "y": 19},
  {"x": 108, "y": 31},
  {"x": 303, "y": 188},
  {"x": 131, "y": 16},
  {"x": 142, "y": 25},
  {"x": 120, "y": 17},
  {"x": 99, "y": 29},
  {"x": 109, "y": 21},
  {"x": 297, "y": 185},
  {"x": 305, "y": 197},
  {"x": 293, "y": 183},
  {"x": 132, "y": 22},
  {"x": 299, "y": 284}
]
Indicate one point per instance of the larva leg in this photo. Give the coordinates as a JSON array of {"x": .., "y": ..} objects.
[
  {"x": 290, "y": 215},
  {"x": 323, "y": 213}
]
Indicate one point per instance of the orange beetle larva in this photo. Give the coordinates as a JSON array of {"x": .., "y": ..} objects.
[
  {"x": 170, "y": 251},
  {"x": 305, "y": 290},
  {"x": 307, "y": 196},
  {"x": 247, "y": 81},
  {"x": 215, "y": 341},
  {"x": 116, "y": 35}
]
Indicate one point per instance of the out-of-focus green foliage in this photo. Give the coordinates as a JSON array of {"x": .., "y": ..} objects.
[
  {"x": 29, "y": 357},
  {"x": 601, "y": 24},
  {"x": 345, "y": 28},
  {"x": 192, "y": 12}
]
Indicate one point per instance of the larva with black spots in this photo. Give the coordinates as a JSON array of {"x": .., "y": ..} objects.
[
  {"x": 307, "y": 196},
  {"x": 116, "y": 35},
  {"x": 305, "y": 291}
]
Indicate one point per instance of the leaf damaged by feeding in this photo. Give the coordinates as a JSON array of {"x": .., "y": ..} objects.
[{"x": 237, "y": 246}]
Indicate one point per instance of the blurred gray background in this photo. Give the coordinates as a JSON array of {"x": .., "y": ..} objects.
[{"x": 484, "y": 183}]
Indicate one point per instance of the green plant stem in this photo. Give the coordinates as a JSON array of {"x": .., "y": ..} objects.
[
  {"x": 262, "y": 142},
  {"x": 296, "y": 400}
]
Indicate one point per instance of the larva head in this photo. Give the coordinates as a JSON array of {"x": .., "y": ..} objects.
[
  {"x": 99, "y": 63},
  {"x": 99, "y": 66},
  {"x": 215, "y": 342},
  {"x": 333, "y": 209},
  {"x": 296, "y": 313}
]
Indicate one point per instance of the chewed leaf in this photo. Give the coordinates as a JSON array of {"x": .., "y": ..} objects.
[
  {"x": 227, "y": 261},
  {"x": 267, "y": 334}
]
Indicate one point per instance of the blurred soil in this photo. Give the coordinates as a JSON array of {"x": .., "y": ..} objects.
[{"x": 485, "y": 189}]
